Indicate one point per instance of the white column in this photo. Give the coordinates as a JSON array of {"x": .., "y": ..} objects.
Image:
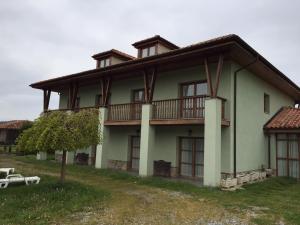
[
  {"x": 41, "y": 156},
  {"x": 212, "y": 143},
  {"x": 147, "y": 142},
  {"x": 70, "y": 157},
  {"x": 102, "y": 148}
]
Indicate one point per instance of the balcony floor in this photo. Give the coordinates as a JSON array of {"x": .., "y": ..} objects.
[
  {"x": 122, "y": 122},
  {"x": 225, "y": 123}
]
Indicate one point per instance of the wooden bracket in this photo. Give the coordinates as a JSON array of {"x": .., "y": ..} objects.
[
  {"x": 105, "y": 90},
  {"x": 214, "y": 91},
  {"x": 73, "y": 91},
  {"x": 74, "y": 97},
  {"x": 47, "y": 94},
  {"x": 149, "y": 84}
]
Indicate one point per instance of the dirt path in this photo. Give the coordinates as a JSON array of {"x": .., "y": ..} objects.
[{"x": 136, "y": 204}]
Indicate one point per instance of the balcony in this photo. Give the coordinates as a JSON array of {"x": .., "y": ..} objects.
[
  {"x": 124, "y": 114},
  {"x": 180, "y": 111}
]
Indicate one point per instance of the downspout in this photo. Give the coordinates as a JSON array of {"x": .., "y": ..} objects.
[
  {"x": 269, "y": 151},
  {"x": 234, "y": 108}
]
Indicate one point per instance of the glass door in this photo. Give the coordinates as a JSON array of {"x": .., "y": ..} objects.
[
  {"x": 135, "y": 153},
  {"x": 288, "y": 155},
  {"x": 192, "y": 95},
  {"x": 191, "y": 157},
  {"x": 138, "y": 97}
]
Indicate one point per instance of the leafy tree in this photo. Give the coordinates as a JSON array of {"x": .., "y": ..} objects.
[{"x": 61, "y": 130}]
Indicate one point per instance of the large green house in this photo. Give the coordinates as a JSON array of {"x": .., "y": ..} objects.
[{"x": 205, "y": 111}]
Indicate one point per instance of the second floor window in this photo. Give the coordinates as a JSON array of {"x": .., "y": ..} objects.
[
  {"x": 191, "y": 89},
  {"x": 266, "y": 103},
  {"x": 104, "y": 63},
  {"x": 138, "y": 95},
  {"x": 149, "y": 51},
  {"x": 98, "y": 100}
]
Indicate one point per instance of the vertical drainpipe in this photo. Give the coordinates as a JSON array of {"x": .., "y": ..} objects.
[
  {"x": 269, "y": 151},
  {"x": 234, "y": 109}
]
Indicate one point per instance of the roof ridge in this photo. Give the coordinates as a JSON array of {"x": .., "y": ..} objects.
[{"x": 113, "y": 50}]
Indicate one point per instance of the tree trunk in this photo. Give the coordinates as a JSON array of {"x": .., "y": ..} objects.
[{"x": 63, "y": 167}]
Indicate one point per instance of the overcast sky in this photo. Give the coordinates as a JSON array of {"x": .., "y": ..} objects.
[{"x": 42, "y": 39}]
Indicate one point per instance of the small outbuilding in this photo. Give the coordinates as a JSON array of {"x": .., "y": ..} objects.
[
  {"x": 283, "y": 130},
  {"x": 10, "y": 130}
]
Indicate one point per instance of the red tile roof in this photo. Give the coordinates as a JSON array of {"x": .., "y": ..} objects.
[
  {"x": 285, "y": 118},
  {"x": 13, "y": 124}
]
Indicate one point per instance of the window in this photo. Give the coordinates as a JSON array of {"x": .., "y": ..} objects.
[
  {"x": 104, "y": 63},
  {"x": 287, "y": 155},
  {"x": 194, "y": 89},
  {"x": 192, "y": 105},
  {"x": 138, "y": 95},
  {"x": 191, "y": 157},
  {"x": 98, "y": 100},
  {"x": 152, "y": 51},
  {"x": 149, "y": 51},
  {"x": 266, "y": 103}
]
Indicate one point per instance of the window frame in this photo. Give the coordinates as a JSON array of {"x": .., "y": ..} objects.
[
  {"x": 181, "y": 85},
  {"x": 133, "y": 95},
  {"x": 98, "y": 99},
  {"x": 287, "y": 139},
  {"x": 147, "y": 48},
  {"x": 106, "y": 62},
  {"x": 267, "y": 103}
]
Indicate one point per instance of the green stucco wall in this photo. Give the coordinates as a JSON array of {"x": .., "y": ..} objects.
[
  {"x": 251, "y": 140},
  {"x": 166, "y": 141},
  {"x": 119, "y": 141}
]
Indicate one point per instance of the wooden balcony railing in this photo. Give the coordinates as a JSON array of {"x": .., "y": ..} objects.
[
  {"x": 181, "y": 108},
  {"x": 125, "y": 112}
]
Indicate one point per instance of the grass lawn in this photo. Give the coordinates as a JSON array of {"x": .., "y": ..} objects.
[
  {"x": 46, "y": 202},
  {"x": 270, "y": 202}
]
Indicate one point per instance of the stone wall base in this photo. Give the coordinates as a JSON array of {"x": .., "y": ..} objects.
[
  {"x": 231, "y": 175},
  {"x": 117, "y": 164}
]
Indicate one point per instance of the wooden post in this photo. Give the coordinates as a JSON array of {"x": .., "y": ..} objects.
[
  {"x": 74, "y": 95},
  {"x": 149, "y": 84},
  {"x": 214, "y": 91},
  {"x": 152, "y": 84},
  {"x": 47, "y": 94},
  {"x": 208, "y": 77},
  {"x": 219, "y": 71},
  {"x": 105, "y": 90},
  {"x": 70, "y": 96},
  {"x": 146, "y": 86}
]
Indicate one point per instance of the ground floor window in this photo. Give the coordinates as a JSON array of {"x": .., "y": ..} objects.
[
  {"x": 288, "y": 155},
  {"x": 191, "y": 157},
  {"x": 134, "y": 162}
]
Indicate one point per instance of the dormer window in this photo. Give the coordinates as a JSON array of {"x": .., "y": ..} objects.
[
  {"x": 111, "y": 57},
  {"x": 104, "y": 63},
  {"x": 148, "y": 51},
  {"x": 153, "y": 46}
]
